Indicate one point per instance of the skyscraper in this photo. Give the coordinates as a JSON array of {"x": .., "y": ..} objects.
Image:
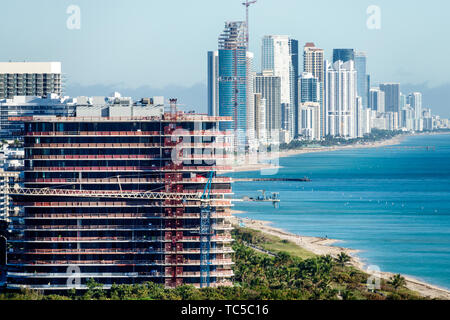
[
  {"x": 260, "y": 117},
  {"x": 376, "y": 100},
  {"x": 310, "y": 120},
  {"x": 343, "y": 55},
  {"x": 294, "y": 72},
  {"x": 392, "y": 96},
  {"x": 340, "y": 92},
  {"x": 30, "y": 79},
  {"x": 407, "y": 117},
  {"x": 309, "y": 87},
  {"x": 213, "y": 84},
  {"x": 269, "y": 86},
  {"x": 415, "y": 101},
  {"x": 403, "y": 101},
  {"x": 232, "y": 78},
  {"x": 362, "y": 77},
  {"x": 280, "y": 55},
  {"x": 313, "y": 62},
  {"x": 250, "y": 102}
]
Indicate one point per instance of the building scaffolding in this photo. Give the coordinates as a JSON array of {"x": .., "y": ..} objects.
[{"x": 107, "y": 197}]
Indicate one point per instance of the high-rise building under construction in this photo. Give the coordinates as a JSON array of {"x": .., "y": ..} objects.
[{"x": 122, "y": 194}]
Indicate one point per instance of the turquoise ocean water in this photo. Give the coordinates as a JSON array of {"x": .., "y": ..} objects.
[{"x": 392, "y": 204}]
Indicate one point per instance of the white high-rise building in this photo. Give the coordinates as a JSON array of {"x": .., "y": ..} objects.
[
  {"x": 280, "y": 55},
  {"x": 408, "y": 118},
  {"x": 260, "y": 118},
  {"x": 359, "y": 117},
  {"x": 250, "y": 103},
  {"x": 39, "y": 79},
  {"x": 270, "y": 88},
  {"x": 340, "y": 92},
  {"x": 313, "y": 62},
  {"x": 367, "y": 120},
  {"x": 310, "y": 120},
  {"x": 415, "y": 101},
  {"x": 377, "y": 100}
]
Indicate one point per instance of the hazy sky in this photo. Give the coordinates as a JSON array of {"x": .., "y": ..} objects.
[{"x": 137, "y": 43}]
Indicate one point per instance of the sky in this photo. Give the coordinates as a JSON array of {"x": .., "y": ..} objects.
[{"x": 148, "y": 47}]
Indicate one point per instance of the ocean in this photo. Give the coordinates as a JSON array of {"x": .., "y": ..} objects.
[{"x": 392, "y": 204}]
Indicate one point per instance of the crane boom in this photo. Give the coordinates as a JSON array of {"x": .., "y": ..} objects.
[
  {"x": 247, "y": 4},
  {"x": 104, "y": 194},
  {"x": 205, "y": 233}
]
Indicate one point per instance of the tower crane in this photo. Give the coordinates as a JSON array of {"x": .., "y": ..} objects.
[
  {"x": 247, "y": 4},
  {"x": 205, "y": 233}
]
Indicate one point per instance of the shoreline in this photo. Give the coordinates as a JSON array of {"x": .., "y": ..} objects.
[
  {"x": 326, "y": 246},
  {"x": 252, "y": 167}
]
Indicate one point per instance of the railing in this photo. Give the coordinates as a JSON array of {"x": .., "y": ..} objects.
[
  {"x": 124, "y": 157},
  {"x": 175, "y": 133},
  {"x": 118, "y": 215},
  {"x": 214, "y": 203},
  {"x": 117, "y": 262},
  {"x": 88, "y": 251},
  {"x": 212, "y": 274},
  {"x": 121, "y": 239},
  {"x": 82, "y": 239},
  {"x": 120, "y": 251},
  {"x": 197, "y": 285},
  {"x": 212, "y": 145},
  {"x": 93, "y": 227},
  {"x": 116, "y": 227},
  {"x": 129, "y": 180},
  {"x": 167, "y": 117},
  {"x": 131, "y": 168},
  {"x": 85, "y": 274}
]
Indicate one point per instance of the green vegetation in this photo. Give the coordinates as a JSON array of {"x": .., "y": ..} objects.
[
  {"x": 342, "y": 259},
  {"x": 375, "y": 135},
  {"x": 397, "y": 281},
  {"x": 288, "y": 275},
  {"x": 272, "y": 243}
]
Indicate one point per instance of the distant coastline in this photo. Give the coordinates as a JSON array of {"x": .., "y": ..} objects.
[
  {"x": 251, "y": 167},
  {"x": 325, "y": 246}
]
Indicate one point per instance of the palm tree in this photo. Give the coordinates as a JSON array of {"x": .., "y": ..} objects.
[
  {"x": 282, "y": 257},
  {"x": 397, "y": 281},
  {"x": 343, "y": 258},
  {"x": 347, "y": 295}
]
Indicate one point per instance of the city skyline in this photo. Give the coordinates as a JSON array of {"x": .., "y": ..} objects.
[{"x": 127, "y": 70}]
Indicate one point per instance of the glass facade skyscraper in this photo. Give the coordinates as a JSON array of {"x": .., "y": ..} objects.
[
  {"x": 232, "y": 76},
  {"x": 343, "y": 55},
  {"x": 392, "y": 96},
  {"x": 310, "y": 88},
  {"x": 362, "y": 77},
  {"x": 213, "y": 74},
  {"x": 269, "y": 87}
]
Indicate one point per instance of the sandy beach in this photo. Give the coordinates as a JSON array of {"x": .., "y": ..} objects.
[
  {"x": 247, "y": 166},
  {"x": 325, "y": 246}
]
